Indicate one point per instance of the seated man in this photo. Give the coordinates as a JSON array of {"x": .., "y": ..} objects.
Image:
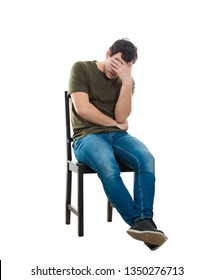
[{"x": 101, "y": 93}]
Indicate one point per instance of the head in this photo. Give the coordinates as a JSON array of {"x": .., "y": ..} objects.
[{"x": 124, "y": 49}]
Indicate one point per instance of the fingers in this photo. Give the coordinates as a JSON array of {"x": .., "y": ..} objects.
[
  {"x": 115, "y": 64},
  {"x": 116, "y": 61},
  {"x": 118, "y": 64},
  {"x": 120, "y": 68}
]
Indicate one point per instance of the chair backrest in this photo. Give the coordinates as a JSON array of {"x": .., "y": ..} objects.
[{"x": 68, "y": 126}]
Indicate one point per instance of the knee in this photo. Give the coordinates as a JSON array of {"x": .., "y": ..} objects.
[{"x": 147, "y": 163}]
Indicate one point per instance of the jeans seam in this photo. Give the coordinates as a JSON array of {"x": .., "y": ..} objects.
[
  {"x": 139, "y": 164},
  {"x": 139, "y": 177}
]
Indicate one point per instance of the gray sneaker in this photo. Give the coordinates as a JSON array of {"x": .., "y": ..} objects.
[{"x": 145, "y": 230}]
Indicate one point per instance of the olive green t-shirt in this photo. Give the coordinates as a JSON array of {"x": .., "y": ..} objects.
[{"x": 103, "y": 94}]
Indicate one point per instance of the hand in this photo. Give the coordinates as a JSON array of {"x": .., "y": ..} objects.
[
  {"x": 121, "y": 68},
  {"x": 123, "y": 126}
]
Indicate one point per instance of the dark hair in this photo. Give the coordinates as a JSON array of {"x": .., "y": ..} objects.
[{"x": 127, "y": 49}]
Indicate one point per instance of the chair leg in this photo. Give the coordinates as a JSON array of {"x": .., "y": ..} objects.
[
  {"x": 80, "y": 204},
  {"x": 68, "y": 195},
  {"x": 109, "y": 211}
]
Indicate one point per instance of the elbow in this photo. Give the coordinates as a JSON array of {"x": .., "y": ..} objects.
[
  {"x": 81, "y": 111},
  {"x": 78, "y": 110},
  {"x": 122, "y": 117}
]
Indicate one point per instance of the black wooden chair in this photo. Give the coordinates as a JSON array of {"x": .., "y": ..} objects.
[{"x": 80, "y": 169}]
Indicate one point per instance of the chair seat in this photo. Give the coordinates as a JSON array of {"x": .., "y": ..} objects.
[{"x": 75, "y": 165}]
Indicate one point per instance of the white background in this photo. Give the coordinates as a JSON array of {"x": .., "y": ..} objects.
[{"x": 172, "y": 115}]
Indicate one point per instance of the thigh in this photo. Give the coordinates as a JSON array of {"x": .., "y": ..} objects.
[
  {"x": 96, "y": 151},
  {"x": 133, "y": 152}
]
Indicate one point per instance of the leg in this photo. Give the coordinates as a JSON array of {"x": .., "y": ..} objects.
[
  {"x": 80, "y": 204},
  {"x": 109, "y": 211},
  {"x": 96, "y": 151},
  {"x": 68, "y": 194},
  {"x": 133, "y": 153}
]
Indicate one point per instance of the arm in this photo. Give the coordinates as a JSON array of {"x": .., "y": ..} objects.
[
  {"x": 88, "y": 111},
  {"x": 124, "y": 104}
]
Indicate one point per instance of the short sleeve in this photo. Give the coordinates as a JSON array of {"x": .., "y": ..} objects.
[{"x": 78, "y": 78}]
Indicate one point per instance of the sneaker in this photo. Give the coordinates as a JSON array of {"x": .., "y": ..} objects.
[
  {"x": 153, "y": 247},
  {"x": 145, "y": 230}
]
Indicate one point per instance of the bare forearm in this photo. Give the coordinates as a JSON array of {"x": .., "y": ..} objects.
[
  {"x": 89, "y": 112},
  {"x": 93, "y": 115},
  {"x": 124, "y": 104}
]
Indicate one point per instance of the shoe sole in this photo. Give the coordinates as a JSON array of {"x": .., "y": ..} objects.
[
  {"x": 152, "y": 237},
  {"x": 157, "y": 246}
]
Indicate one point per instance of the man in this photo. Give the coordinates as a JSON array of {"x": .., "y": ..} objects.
[{"x": 101, "y": 94}]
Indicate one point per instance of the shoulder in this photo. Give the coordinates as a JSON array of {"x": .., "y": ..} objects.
[
  {"x": 83, "y": 65},
  {"x": 77, "y": 66},
  {"x": 84, "y": 69}
]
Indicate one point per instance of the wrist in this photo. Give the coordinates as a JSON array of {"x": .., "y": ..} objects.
[{"x": 127, "y": 83}]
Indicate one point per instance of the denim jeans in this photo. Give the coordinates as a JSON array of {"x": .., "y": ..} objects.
[{"x": 100, "y": 151}]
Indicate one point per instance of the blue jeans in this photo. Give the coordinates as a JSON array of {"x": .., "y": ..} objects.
[{"x": 100, "y": 151}]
